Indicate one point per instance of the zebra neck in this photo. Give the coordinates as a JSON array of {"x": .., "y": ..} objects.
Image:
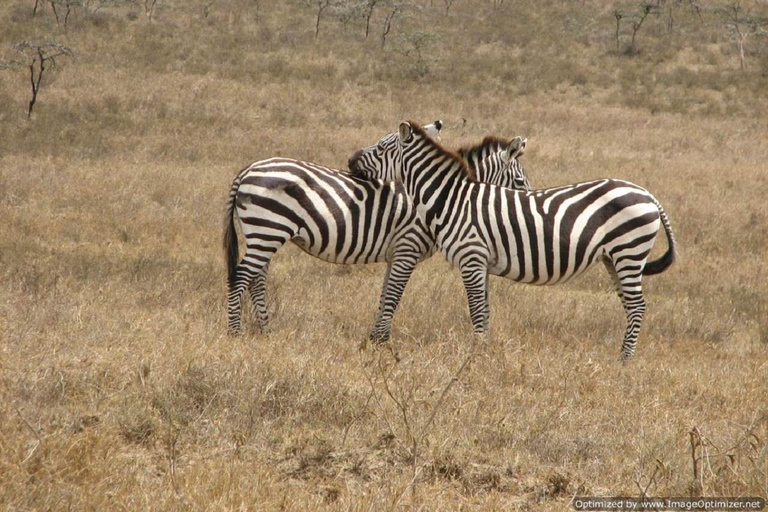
[
  {"x": 437, "y": 189},
  {"x": 481, "y": 160}
]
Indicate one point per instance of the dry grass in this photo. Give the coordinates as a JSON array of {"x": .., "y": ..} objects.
[{"x": 120, "y": 391}]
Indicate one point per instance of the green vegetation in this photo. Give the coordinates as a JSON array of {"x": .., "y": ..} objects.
[{"x": 119, "y": 389}]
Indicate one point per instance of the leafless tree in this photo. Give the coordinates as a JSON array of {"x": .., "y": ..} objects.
[
  {"x": 448, "y": 5},
  {"x": 322, "y": 6},
  {"x": 742, "y": 24},
  {"x": 413, "y": 47},
  {"x": 370, "y": 5},
  {"x": 149, "y": 9},
  {"x": 618, "y": 15},
  {"x": 635, "y": 17},
  {"x": 38, "y": 57},
  {"x": 394, "y": 10},
  {"x": 347, "y": 11},
  {"x": 671, "y": 6},
  {"x": 68, "y": 6},
  {"x": 645, "y": 10},
  {"x": 696, "y": 9}
]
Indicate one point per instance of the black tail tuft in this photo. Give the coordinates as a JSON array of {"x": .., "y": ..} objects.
[{"x": 231, "y": 248}]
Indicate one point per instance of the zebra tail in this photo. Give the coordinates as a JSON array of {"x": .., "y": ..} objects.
[
  {"x": 660, "y": 265},
  {"x": 231, "y": 248}
]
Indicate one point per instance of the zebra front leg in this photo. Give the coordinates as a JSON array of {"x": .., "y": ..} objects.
[
  {"x": 258, "y": 291},
  {"x": 474, "y": 273},
  {"x": 376, "y": 335},
  {"x": 398, "y": 273}
]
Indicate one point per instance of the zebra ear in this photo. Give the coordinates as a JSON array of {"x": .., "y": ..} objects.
[
  {"x": 433, "y": 130},
  {"x": 406, "y": 132},
  {"x": 516, "y": 148}
]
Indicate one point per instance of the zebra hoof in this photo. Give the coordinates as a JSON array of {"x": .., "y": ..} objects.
[
  {"x": 379, "y": 339},
  {"x": 376, "y": 342}
]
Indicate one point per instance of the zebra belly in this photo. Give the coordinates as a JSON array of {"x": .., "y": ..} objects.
[
  {"x": 354, "y": 255},
  {"x": 538, "y": 269}
]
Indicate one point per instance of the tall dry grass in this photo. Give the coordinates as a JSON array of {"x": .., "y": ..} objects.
[{"x": 120, "y": 390}]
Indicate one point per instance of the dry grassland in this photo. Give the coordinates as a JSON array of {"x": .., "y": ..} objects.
[{"x": 119, "y": 389}]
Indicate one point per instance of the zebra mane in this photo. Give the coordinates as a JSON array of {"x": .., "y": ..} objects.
[{"x": 416, "y": 127}]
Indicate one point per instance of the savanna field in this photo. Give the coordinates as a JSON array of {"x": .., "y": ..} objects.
[{"x": 119, "y": 386}]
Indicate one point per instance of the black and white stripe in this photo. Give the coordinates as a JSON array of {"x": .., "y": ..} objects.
[
  {"x": 539, "y": 237},
  {"x": 331, "y": 215}
]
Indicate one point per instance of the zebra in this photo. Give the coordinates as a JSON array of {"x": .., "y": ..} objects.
[
  {"x": 335, "y": 217},
  {"x": 539, "y": 237}
]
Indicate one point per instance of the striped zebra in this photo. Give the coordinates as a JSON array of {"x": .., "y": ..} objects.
[
  {"x": 336, "y": 217},
  {"x": 539, "y": 237}
]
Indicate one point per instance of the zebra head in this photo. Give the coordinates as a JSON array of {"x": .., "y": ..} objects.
[
  {"x": 509, "y": 158},
  {"x": 494, "y": 161},
  {"x": 381, "y": 160}
]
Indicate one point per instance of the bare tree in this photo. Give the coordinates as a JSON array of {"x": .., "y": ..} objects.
[
  {"x": 67, "y": 5},
  {"x": 413, "y": 47},
  {"x": 672, "y": 6},
  {"x": 394, "y": 10},
  {"x": 37, "y": 57},
  {"x": 618, "y": 15},
  {"x": 448, "y": 4},
  {"x": 370, "y": 5},
  {"x": 348, "y": 11},
  {"x": 645, "y": 10},
  {"x": 55, "y": 12},
  {"x": 696, "y": 9},
  {"x": 149, "y": 9},
  {"x": 742, "y": 24},
  {"x": 636, "y": 18},
  {"x": 322, "y": 5}
]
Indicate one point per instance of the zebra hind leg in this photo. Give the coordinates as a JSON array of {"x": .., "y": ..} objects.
[
  {"x": 251, "y": 271},
  {"x": 628, "y": 282},
  {"x": 258, "y": 292},
  {"x": 615, "y": 278},
  {"x": 243, "y": 278},
  {"x": 487, "y": 312}
]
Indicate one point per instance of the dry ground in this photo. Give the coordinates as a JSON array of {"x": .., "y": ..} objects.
[{"x": 119, "y": 389}]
